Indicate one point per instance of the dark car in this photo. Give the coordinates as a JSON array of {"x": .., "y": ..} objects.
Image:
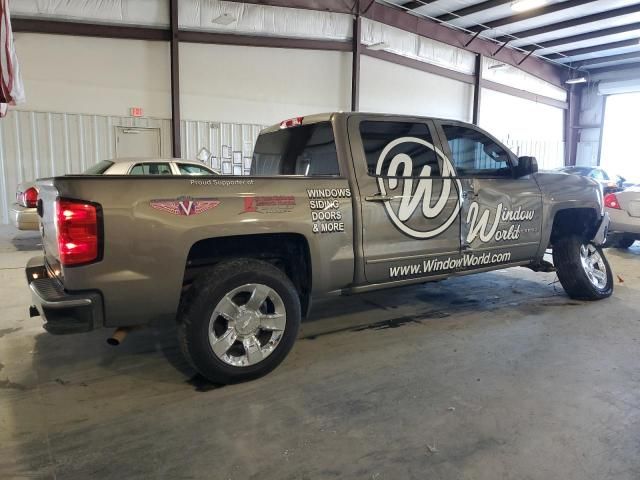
[{"x": 610, "y": 183}]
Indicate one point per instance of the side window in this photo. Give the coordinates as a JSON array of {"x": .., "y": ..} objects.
[
  {"x": 307, "y": 150},
  {"x": 475, "y": 154},
  {"x": 151, "y": 169},
  {"x": 597, "y": 174},
  {"x": 377, "y": 135},
  {"x": 190, "y": 169}
]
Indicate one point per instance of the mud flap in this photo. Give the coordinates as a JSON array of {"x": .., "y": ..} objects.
[{"x": 601, "y": 233}]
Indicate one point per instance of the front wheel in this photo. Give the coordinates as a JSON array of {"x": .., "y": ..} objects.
[
  {"x": 239, "y": 320},
  {"x": 582, "y": 269}
]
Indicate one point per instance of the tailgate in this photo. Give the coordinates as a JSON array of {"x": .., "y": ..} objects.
[{"x": 47, "y": 216}]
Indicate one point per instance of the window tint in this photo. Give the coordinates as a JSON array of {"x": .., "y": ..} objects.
[
  {"x": 377, "y": 135},
  {"x": 307, "y": 150},
  {"x": 151, "y": 169},
  {"x": 475, "y": 154},
  {"x": 98, "y": 168},
  {"x": 191, "y": 169}
]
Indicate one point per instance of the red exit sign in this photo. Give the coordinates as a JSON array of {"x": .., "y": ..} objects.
[{"x": 136, "y": 111}]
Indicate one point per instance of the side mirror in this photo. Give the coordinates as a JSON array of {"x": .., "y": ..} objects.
[{"x": 526, "y": 166}]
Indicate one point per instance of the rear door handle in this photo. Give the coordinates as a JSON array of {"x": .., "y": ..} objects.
[{"x": 378, "y": 198}]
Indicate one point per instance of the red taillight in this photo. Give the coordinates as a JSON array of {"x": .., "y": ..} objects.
[
  {"x": 78, "y": 237},
  {"x": 292, "y": 122},
  {"x": 30, "y": 197},
  {"x": 611, "y": 201}
]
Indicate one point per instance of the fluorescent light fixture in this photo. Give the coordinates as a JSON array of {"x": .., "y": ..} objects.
[
  {"x": 573, "y": 81},
  {"x": 524, "y": 5},
  {"x": 378, "y": 46},
  {"x": 224, "y": 19},
  {"x": 497, "y": 66}
]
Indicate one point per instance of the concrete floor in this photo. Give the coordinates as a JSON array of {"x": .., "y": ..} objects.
[{"x": 492, "y": 376}]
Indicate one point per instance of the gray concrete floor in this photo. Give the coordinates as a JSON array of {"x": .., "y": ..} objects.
[{"x": 490, "y": 376}]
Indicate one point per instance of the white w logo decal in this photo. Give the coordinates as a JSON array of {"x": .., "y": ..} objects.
[{"x": 401, "y": 165}]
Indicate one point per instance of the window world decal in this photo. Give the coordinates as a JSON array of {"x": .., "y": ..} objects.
[
  {"x": 401, "y": 165},
  {"x": 435, "y": 265},
  {"x": 438, "y": 199}
]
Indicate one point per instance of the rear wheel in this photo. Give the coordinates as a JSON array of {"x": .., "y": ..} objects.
[
  {"x": 239, "y": 321},
  {"x": 582, "y": 269}
]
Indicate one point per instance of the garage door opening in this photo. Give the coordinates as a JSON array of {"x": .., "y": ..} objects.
[{"x": 620, "y": 142}]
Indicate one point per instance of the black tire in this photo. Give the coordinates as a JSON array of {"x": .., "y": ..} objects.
[
  {"x": 200, "y": 301},
  {"x": 572, "y": 274},
  {"x": 625, "y": 241}
]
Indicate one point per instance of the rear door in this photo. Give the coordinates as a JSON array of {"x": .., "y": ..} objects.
[
  {"x": 410, "y": 203},
  {"x": 137, "y": 142},
  {"x": 501, "y": 214}
]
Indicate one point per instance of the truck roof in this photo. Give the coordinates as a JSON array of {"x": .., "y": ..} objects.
[{"x": 328, "y": 116}]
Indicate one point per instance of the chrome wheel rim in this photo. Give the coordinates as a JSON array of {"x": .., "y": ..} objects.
[
  {"x": 247, "y": 325},
  {"x": 593, "y": 265}
]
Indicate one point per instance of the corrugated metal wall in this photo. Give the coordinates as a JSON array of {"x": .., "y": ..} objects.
[{"x": 39, "y": 144}]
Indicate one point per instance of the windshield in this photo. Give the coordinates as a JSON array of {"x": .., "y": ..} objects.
[
  {"x": 98, "y": 168},
  {"x": 308, "y": 150}
]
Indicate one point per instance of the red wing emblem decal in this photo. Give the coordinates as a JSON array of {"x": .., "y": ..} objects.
[{"x": 185, "y": 205}]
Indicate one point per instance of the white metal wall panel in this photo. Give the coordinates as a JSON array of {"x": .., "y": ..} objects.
[
  {"x": 41, "y": 144},
  {"x": 226, "y": 143}
]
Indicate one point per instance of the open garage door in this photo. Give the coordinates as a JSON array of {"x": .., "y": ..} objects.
[{"x": 620, "y": 143}]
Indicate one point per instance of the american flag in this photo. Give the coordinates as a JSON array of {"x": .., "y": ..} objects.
[{"x": 11, "y": 88}]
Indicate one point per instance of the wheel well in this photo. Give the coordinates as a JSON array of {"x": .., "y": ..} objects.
[
  {"x": 287, "y": 251},
  {"x": 578, "y": 221}
]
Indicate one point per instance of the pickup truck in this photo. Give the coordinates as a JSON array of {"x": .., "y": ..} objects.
[{"x": 336, "y": 204}]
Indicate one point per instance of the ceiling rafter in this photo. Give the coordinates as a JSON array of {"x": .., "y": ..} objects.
[
  {"x": 576, "y": 22},
  {"x": 595, "y": 48},
  {"x": 413, "y": 4},
  {"x": 471, "y": 9},
  {"x": 536, "y": 12},
  {"x": 609, "y": 58},
  {"x": 583, "y": 36}
]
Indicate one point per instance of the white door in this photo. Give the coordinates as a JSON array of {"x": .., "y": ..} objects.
[{"x": 137, "y": 142}]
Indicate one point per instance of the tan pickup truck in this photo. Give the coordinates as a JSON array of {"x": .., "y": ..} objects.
[{"x": 336, "y": 204}]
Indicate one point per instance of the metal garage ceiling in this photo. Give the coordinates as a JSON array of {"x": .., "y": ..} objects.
[{"x": 587, "y": 34}]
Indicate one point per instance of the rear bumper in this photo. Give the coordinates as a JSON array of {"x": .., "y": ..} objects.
[
  {"x": 63, "y": 312},
  {"x": 24, "y": 218},
  {"x": 622, "y": 222}
]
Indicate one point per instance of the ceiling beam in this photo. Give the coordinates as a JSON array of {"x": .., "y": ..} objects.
[
  {"x": 583, "y": 36},
  {"x": 427, "y": 28},
  {"x": 607, "y": 59},
  {"x": 195, "y": 36},
  {"x": 79, "y": 29},
  {"x": 471, "y": 9},
  {"x": 536, "y": 12},
  {"x": 593, "y": 49},
  {"x": 596, "y": 17},
  {"x": 337, "y": 6}
]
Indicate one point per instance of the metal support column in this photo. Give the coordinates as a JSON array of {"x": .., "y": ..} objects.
[
  {"x": 355, "y": 64},
  {"x": 477, "y": 89},
  {"x": 175, "y": 80}
]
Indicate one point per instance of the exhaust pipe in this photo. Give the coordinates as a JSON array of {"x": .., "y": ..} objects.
[{"x": 118, "y": 336}]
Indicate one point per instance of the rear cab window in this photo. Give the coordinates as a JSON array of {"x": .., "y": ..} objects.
[
  {"x": 306, "y": 150},
  {"x": 191, "y": 169}
]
